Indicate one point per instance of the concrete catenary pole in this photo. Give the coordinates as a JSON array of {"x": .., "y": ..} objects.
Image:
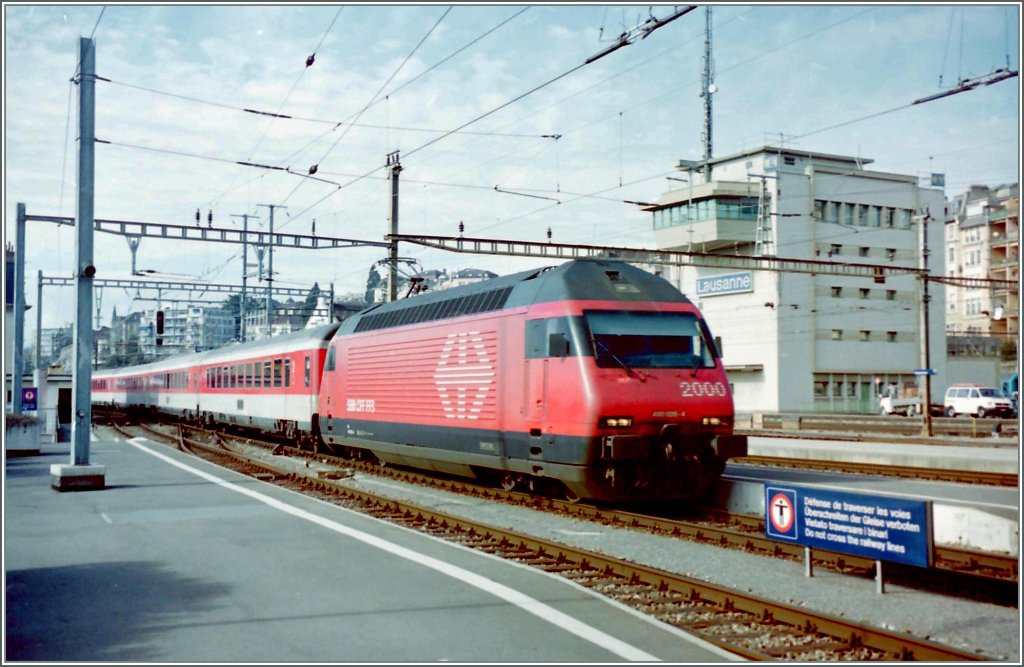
[
  {"x": 39, "y": 323},
  {"x": 82, "y": 381},
  {"x": 926, "y": 404},
  {"x": 245, "y": 273},
  {"x": 19, "y": 312},
  {"x": 396, "y": 169},
  {"x": 270, "y": 267},
  {"x": 80, "y": 475}
]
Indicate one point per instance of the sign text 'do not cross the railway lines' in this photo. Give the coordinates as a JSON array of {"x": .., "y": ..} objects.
[{"x": 878, "y": 527}]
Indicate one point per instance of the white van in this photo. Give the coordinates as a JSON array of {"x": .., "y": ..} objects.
[{"x": 973, "y": 399}]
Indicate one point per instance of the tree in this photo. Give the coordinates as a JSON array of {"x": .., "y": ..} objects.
[{"x": 373, "y": 281}]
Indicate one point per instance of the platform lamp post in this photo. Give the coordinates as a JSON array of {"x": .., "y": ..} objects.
[{"x": 80, "y": 474}]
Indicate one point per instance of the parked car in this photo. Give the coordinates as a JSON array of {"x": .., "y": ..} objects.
[{"x": 973, "y": 399}]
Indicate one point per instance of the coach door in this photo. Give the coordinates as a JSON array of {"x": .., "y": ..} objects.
[
  {"x": 536, "y": 392},
  {"x": 327, "y": 388}
]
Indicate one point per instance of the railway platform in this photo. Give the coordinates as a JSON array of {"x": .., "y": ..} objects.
[{"x": 179, "y": 561}]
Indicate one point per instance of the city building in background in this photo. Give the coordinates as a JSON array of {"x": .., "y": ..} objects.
[
  {"x": 982, "y": 241},
  {"x": 796, "y": 341}
]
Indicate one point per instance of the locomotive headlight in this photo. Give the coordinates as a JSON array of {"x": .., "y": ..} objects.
[
  {"x": 615, "y": 422},
  {"x": 715, "y": 421}
]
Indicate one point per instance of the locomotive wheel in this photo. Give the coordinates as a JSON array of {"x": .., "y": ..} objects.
[
  {"x": 508, "y": 481},
  {"x": 568, "y": 495}
]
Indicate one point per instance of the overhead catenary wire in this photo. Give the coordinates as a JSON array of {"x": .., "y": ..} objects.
[
  {"x": 407, "y": 83},
  {"x": 302, "y": 73},
  {"x": 373, "y": 99},
  {"x": 322, "y": 121}
]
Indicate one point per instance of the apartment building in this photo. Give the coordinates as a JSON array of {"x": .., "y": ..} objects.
[{"x": 982, "y": 241}]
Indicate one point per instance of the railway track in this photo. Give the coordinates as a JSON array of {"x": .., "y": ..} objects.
[
  {"x": 985, "y": 576},
  {"x": 749, "y": 626},
  {"x": 910, "y": 472}
]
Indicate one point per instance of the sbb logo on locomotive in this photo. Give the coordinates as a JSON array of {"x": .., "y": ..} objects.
[
  {"x": 696, "y": 389},
  {"x": 464, "y": 375}
]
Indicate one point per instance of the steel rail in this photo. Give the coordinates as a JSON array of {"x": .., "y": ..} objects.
[{"x": 912, "y": 472}]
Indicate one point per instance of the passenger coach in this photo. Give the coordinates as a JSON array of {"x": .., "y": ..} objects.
[{"x": 270, "y": 384}]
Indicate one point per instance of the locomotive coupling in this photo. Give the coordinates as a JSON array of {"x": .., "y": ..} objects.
[{"x": 729, "y": 446}]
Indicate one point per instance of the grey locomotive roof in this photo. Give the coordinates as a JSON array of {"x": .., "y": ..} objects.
[{"x": 582, "y": 279}]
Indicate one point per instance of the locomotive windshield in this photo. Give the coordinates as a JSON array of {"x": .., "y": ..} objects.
[{"x": 649, "y": 340}]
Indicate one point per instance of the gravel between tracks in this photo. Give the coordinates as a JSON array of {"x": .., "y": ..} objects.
[{"x": 993, "y": 630}]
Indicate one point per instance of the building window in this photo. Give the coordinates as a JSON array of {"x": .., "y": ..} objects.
[
  {"x": 874, "y": 215},
  {"x": 847, "y": 215},
  {"x": 820, "y": 388},
  {"x": 864, "y": 251},
  {"x": 835, "y": 249},
  {"x": 864, "y": 292},
  {"x": 887, "y": 217},
  {"x": 952, "y": 255},
  {"x": 837, "y": 334},
  {"x": 865, "y": 335},
  {"x": 837, "y": 291},
  {"x": 819, "y": 209},
  {"x": 890, "y": 254},
  {"x": 837, "y": 388},
  {"x": 890, "y": 336},
  {"x": 890, "y": 295}
]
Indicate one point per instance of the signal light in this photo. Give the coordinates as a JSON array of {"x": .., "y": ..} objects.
[{"x": 159, "y": 322}]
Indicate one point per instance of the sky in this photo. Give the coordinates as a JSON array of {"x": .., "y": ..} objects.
[{"x": 509, "y": 78}]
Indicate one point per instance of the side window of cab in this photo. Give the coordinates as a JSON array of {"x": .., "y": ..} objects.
[{"x": 329, "y": 364}]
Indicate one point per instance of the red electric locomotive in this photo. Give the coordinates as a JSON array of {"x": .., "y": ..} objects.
[{"x": 594, "y": 377}]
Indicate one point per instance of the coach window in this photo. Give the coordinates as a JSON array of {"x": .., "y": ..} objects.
[
  {"x": 287, "y": 372},
  {"x": 307, "y": 370},
  {"x": 277, "y": 372},
  {"x": 226, "y": 372},
  {"x": 248, "y": 375},
  {"x": 266, "y": 374}
]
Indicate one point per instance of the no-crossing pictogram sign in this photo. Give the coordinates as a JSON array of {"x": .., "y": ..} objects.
[{"x": 780, "y": 512}]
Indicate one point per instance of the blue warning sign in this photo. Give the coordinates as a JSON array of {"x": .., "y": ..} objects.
[
  {"x": 29, "y": 398},
  {"x": 780, "y": 512},
  {"x": 879, "y": 527}
]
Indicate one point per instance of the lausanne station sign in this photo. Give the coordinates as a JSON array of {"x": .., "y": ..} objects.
[{"x": 877, "y": 527}]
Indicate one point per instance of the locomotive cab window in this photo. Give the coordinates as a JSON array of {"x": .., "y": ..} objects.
[
  {"x": 554, "y": 337},
  {"x": 329, "y": 364},
  {"x": 649, "y": 340}
]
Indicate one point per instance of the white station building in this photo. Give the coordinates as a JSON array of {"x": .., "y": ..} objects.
[{"x": 797, "y": 341}]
